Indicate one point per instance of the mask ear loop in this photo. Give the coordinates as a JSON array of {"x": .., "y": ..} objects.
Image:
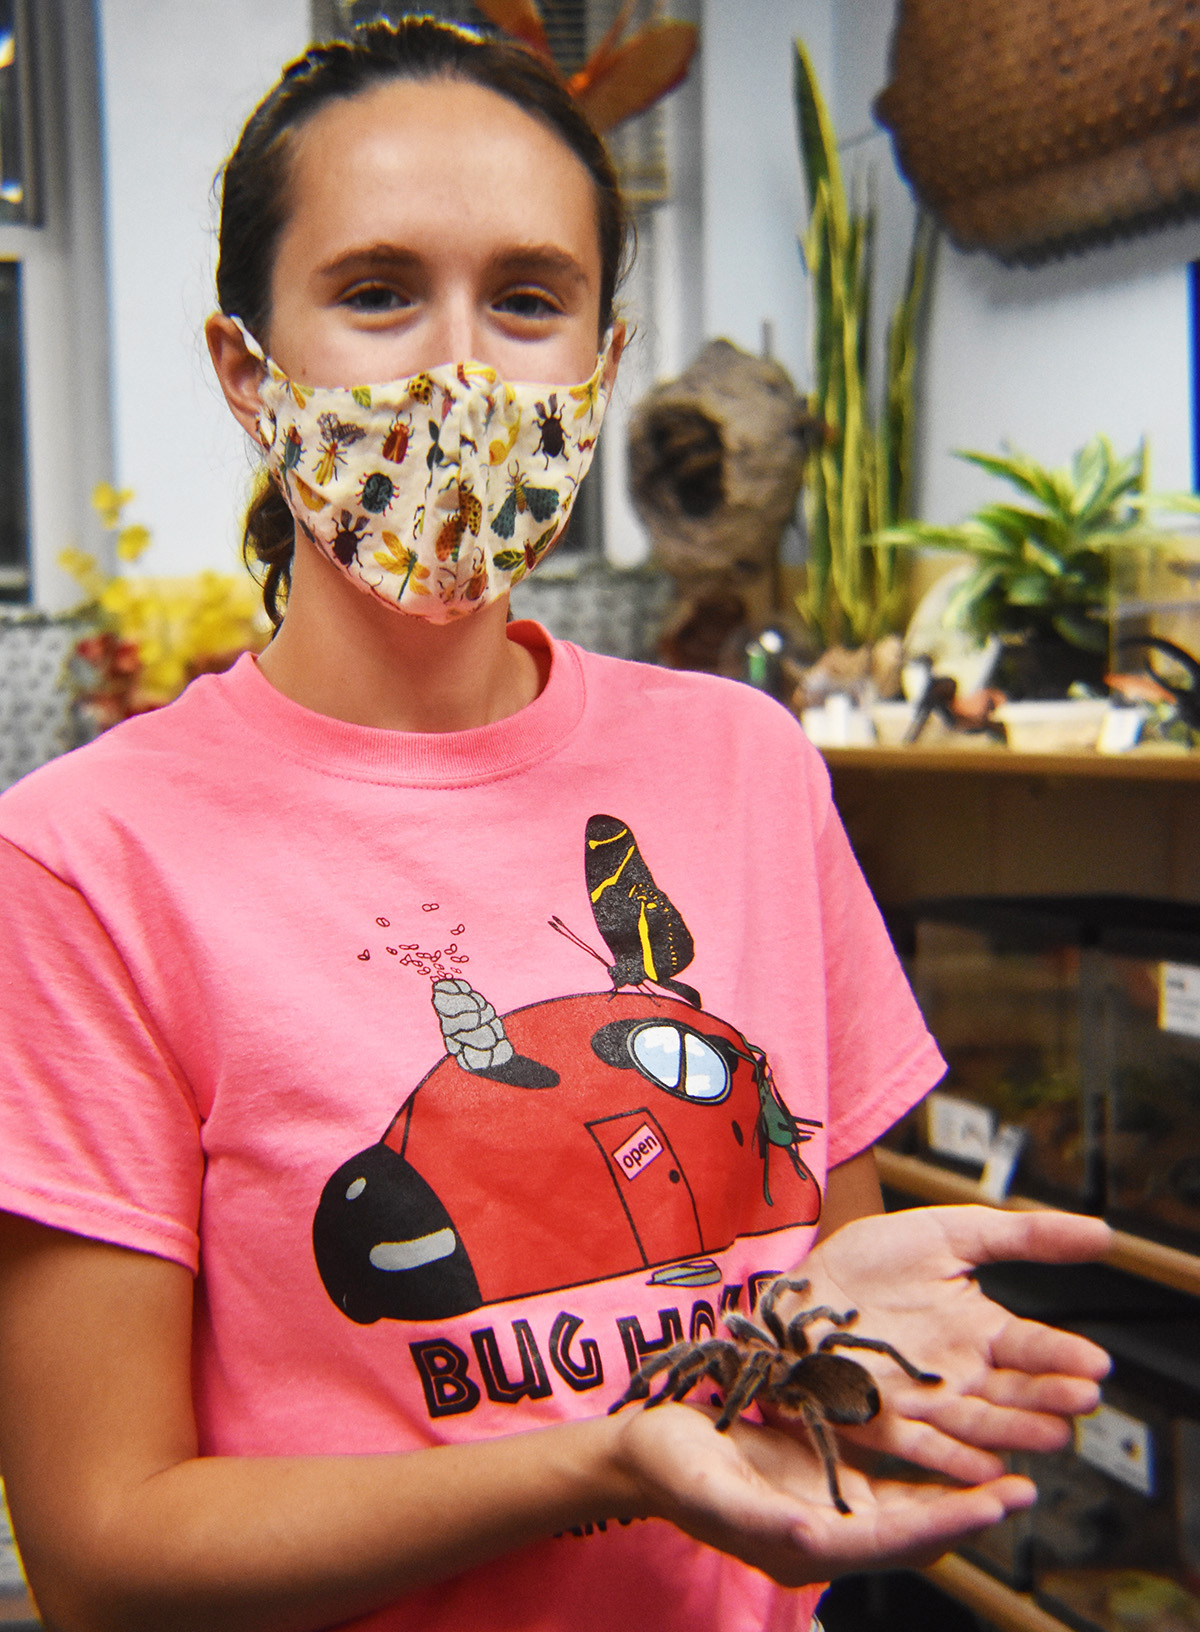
[{"x": 252, "y": 345}]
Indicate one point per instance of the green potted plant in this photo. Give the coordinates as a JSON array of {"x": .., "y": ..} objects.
[
  {"x": 1039, "y": 567},
  {"x": 859, "y": 478}
]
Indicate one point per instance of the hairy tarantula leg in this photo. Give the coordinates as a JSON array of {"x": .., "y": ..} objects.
[
  {"x": 824, "y": 1442},
  {"x": 754, "y": 1376},
  {"x": 766, "y": 1305},
  {"x": 746, "y": 1329},
  {"x": 639, "y": 1383},
  {"x": 704, "y": 1359},
  {"x": 796, "y": 1340},
  {"x": 850, "y": 1340}
]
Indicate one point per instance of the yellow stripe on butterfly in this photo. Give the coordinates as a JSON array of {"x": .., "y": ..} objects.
[
  {"x": 605, "y": 883},
  {"x": 644, "y": 937},
  {"x": 594, "y": 844}
]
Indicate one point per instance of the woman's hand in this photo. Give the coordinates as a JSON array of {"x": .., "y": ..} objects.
[
  {"x": 761, "y": 1495},
  {"x": 1008, "y": 1384}
]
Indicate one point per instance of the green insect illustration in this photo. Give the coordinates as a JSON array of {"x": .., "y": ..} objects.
[{"x": 541, "y": 503}]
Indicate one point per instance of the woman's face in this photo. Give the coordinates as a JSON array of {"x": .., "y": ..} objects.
[{"x": 431, "y": 223}]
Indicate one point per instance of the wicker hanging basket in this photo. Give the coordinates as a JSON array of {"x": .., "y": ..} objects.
[{"x": 1031, "y": 128}]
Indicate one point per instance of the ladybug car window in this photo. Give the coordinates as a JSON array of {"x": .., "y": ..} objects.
[{"x": 680, "y": 1061}]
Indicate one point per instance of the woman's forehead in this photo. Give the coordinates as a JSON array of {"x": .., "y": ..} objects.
[{"x": 438, "y": 154}]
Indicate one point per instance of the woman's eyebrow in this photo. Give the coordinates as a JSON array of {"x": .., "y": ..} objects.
[
  {"x": 370, "y": 258},
  {"x": 520, "y": 260},
  {"x": 547, "y": 260}
]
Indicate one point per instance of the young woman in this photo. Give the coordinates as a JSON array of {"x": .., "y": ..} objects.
[{"x": 344, "y": 1195}]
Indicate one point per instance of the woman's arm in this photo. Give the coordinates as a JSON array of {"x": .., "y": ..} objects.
[
  {"x": 123, "y": 1526},
  {"x": 851, "y": 1191}
]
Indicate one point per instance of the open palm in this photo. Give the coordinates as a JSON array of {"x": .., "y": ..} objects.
[{"x": 1008, "y": 1383}]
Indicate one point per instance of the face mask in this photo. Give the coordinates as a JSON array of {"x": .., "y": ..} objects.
[{"x": 435, "y": 493}]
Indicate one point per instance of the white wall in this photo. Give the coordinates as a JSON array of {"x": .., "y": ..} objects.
[
  {"x": 178, "y": 79},
  {"x": 1046, "y": 358},
  {"x": 754, "y": 204}
]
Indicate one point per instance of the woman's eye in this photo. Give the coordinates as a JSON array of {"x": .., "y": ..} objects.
[
  {"x": 375, "y": 297},
  {"x": 528, "y": 303}
]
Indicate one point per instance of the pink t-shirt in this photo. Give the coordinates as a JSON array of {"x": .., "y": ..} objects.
[{"x": 468, "y": 1070}]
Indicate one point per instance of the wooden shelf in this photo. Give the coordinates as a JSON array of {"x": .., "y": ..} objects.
[
  {"x": 990, "y": 1599},
  {"x": 1140, "y": 765},
  {"x": 17, "y": 1609},
  {"x": 913, "y": 1177}
]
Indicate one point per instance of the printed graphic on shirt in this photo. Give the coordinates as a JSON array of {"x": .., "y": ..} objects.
[{"x": 569, "y": 1141}]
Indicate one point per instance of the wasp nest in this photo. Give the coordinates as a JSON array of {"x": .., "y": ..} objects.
[
  {"x": 716, "y": 460},
  {"x": 1031, "y": 127},
  {"x": 473, "y": 1031}
]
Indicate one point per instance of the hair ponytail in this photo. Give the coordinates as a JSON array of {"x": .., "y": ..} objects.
[{"x": 268, "y": 543}]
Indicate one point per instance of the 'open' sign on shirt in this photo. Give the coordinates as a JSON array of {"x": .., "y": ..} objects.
[{"x": 638, "y": 1151}]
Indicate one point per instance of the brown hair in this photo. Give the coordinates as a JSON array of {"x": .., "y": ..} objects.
[{"x": 254, "y": 180}]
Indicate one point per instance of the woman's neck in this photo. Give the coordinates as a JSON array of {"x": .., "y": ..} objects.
[{"x": 342, "y": 653}]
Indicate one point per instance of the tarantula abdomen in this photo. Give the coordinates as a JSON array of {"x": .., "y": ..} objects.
[{"x": 777, "y": 1366}]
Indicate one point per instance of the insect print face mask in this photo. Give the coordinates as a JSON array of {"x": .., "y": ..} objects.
[{"x": 435, "y": 493}]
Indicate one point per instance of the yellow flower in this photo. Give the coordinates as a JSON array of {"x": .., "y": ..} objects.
[
  {"x": 133, "y": 542},
  {"x": 108, "y": 502},
  {"x": 82, "y": 567}
]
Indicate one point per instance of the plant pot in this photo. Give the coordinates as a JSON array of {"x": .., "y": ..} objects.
[
  {"x": 1040, "y": 665},
  {"x": 1052, "y": 726}
]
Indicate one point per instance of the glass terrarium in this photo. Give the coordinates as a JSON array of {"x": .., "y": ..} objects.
[
  {"x": 1000, "y": 985},
  {"x": 1150, "y": 1041},
  {"x": 1155, "y": 591},
  {"x": 1110, "y": 1538}
]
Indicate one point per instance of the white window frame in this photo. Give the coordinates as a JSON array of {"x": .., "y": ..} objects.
[{"x": 64, "y": 302}]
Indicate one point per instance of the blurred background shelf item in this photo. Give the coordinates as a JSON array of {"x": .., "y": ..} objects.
[
  {"x": 909, "y": 1176},
  {"x": 1153, "y": 764}
]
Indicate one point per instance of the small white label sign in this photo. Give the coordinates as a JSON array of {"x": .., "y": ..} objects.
[
  {"x": 959, "y": 1128},
  {"x": 1004, "y": 1153},
  {"x": 1179, "y": 998},
  {"x": 1118, "y": 1445}
]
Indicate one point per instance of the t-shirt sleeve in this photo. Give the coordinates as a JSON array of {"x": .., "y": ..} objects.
[
  {"x": 882, "y": 1059},
  {"x": 99, "y": 1133}
]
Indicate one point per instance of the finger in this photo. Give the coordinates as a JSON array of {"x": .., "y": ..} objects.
[
  {"x": 1027, "y": 1345},
  {"x": 924, "y": 1523},
  {"x": 988, "y": 1235},
  {"x": 926, "y": 1447},
  {"x": 1064, "y": 1396},
  {"x": 996, "y": 1428}
]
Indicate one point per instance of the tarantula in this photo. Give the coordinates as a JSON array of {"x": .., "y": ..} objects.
[{"x": 778, "y": 1366}]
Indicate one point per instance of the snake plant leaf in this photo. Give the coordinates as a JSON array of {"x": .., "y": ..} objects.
[
  {"x": 896, "y": 421},
  {"x": 818, "y": 141},
  {"x": 854, "y": 478}
]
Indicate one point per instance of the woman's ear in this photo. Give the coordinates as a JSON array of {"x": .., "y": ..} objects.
[
  {"x": 619, "y": 336},
  {"x": 237, "y": 368}
]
